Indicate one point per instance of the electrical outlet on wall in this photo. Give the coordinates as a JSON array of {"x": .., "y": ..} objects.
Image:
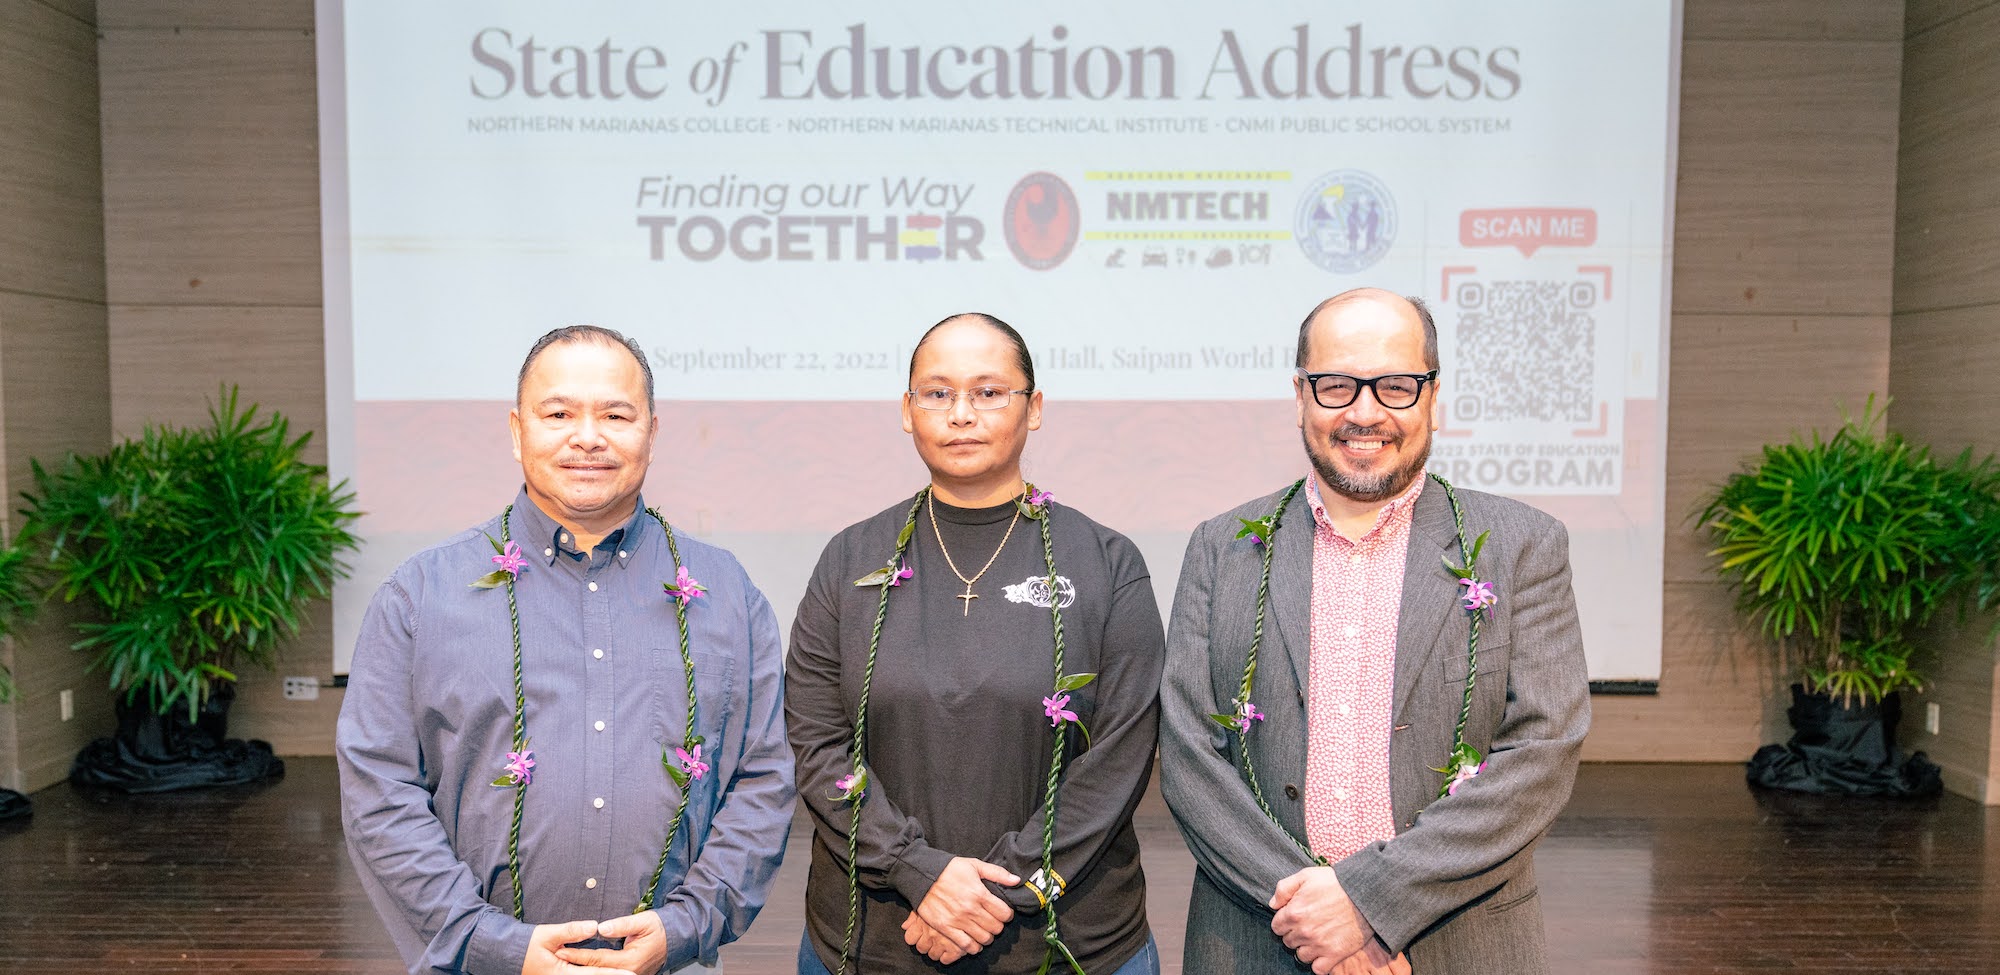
[
  {"x": 301, "y": 688},
  {"x": 1931, "y": 717},
  {"x": 67, "y": 701}
]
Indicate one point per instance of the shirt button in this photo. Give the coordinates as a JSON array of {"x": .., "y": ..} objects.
[
  {"x": 624, "y": 555},
  {"x": 593, "y": 587},
  {"x": 1354, "y": 559},
  {"x": 563, "y": 538},
  {"x": 598, "y": 802},
  {"x": 597, "y": 654},
  {"x": 1340, "y": 794},
  {"x": 599, "y": 726},
  {"x": 549, "y": 552},
  {"x": 1345, "y": 710},
  {"x": 1351, "y": 632},
  {"x": 590, "y": 884}
]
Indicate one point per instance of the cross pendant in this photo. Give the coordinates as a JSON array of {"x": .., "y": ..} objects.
[{"x": 968, "y": 596}]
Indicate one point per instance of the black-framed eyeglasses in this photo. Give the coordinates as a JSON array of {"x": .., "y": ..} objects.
[
  {"x": 937, "y": 399},
  {"x": 1396, "y": 391}
]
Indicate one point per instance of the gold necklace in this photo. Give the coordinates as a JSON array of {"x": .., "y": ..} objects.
[{"x": 968, "y": 596}]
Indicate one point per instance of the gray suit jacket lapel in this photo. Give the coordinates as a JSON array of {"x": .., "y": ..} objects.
[
  {"x": 1429, "y": 592},
  {"x": 1291, "y": 587}
]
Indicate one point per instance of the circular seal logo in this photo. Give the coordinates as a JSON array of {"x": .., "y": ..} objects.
[
  {"x": 1041, "y": 220},
  {"x": 1346, "y": 221}
]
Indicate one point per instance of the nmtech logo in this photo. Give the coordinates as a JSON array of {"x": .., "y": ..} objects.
[{"x": 1042, "y": 220}]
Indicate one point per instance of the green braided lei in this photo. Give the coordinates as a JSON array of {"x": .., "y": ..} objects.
[
  {"x": 689, "y": 740},
  {"x": 1464, "y": 761},
  {"x": 1046, "y": 883}
]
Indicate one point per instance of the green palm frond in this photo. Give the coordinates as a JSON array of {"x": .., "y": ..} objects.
[
  {"x": 196, "y": 547},
  {"x": 1840, "y": 549}
]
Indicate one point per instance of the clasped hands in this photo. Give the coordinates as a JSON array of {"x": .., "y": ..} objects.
[
  {"x": 959, "y": 916},
  {"x": 644, "y": 952},
  {"x": 1321, "y": 925}
]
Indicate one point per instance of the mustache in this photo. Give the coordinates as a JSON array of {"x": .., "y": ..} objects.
[{"x": 1349, "y": 431}]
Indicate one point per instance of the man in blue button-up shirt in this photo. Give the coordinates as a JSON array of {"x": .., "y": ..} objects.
[{"x": 428, "y": 724}]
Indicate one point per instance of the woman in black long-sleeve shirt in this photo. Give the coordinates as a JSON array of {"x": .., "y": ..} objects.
[{"x": 965, "y": 711}]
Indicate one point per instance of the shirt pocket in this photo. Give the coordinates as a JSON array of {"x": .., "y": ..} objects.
[{"x": 715, "y": 686}]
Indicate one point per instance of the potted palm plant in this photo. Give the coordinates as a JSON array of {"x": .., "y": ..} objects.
[
  {"x": 1839, "y": 550},
  {"x": 197, "y": 549}
]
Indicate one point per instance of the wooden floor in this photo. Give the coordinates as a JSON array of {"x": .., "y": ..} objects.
[{"x": 1653, "y": 869}]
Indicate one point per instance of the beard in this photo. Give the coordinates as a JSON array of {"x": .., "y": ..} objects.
[{"x": 1366, "y": 487}]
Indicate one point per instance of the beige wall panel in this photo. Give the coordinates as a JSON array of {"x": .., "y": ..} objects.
[
  {"x": 54, "y": 399},
  {"x": 1960, "y": 668},
  {"x": 1797, "y": 20},
  {"x": 54, "y": 365},
  {"x": 1786, "y": 199},
  {"x": 1938, "y": 367},
  {"x": 211, "y": 167},
  {"x": 167, "y": 364},
  {"x": 292, "y": 727},
  {"x": 84, "y": 11},
  {"x": 1947, "y": 300},
  {"x": 1941, "y": 366},
  {"x": 1947, "y": 193},
  {"x": 1719, "y": 699},
  {"x": 51, "y": 207},
  {"x": 1742, "y": 381},
  {"x": 295, "y": 14},
  {"x": 1924, "y": 15},
  {"x": 44, "y": 666}
]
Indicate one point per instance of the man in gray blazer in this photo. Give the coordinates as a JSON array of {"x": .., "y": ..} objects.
[{"x": 1414, "y": 723}]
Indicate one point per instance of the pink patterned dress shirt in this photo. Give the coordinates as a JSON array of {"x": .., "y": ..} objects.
[{"x": 1357, "y": 599}]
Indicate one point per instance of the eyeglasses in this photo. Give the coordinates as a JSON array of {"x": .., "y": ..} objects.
[
  {"x": 1397, "y": 391},
  {"x": 937, "y": 399}
]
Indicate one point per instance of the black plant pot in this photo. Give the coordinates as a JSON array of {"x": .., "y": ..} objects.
[
  {"x": 153, "y": 752},
  {"x": 1844, "y": 749}
]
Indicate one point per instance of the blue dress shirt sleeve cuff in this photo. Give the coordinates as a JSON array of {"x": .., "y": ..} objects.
[
  {"x": 681, "y": 923},
  {"x": 498, "y": 946}
]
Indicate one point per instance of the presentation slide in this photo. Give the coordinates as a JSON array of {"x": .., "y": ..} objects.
[{"x": 776, "y": 199}]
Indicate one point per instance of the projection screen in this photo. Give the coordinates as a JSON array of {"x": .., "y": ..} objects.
[{"x": 776, "y": 199}]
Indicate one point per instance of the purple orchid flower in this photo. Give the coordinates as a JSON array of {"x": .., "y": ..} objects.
[
  {"x": 1246, "y": 714},
  {"x": 903, "y": 571},
  {"x": 684, "y": 588},
  {"x": 691, "y": 762},
  {"x": 1477, "y": 595},
  {"x": 521, "y": 765},
  {"x": 846, "y": 782},
  {"x": 1056, "y": 710},
  {"x": 1039, "y": 497},
  {"x": 510, "y": 560},
  {"x": 1464, "y": 775}
]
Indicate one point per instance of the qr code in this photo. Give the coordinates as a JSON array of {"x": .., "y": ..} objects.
[{"x": 1527, "y": 351}]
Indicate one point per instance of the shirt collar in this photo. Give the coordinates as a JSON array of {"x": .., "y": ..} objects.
[
  {"x": 531, "y": 522},
  {"x": 1396, "y": 507}
]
